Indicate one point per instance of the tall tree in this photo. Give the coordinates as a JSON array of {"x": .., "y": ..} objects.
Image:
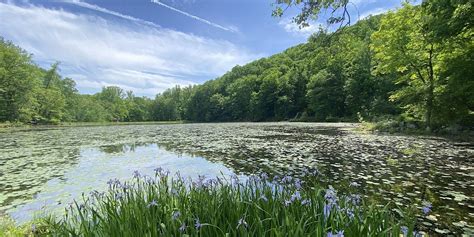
[
  {"x": 451, "y": 24},
  {"x": 404, "y": 46},
  {"x": 18, "y": 83},
  {"x": 112, "y": 98}
]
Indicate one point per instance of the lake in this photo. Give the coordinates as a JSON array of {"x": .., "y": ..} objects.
[{"x": 44, "y": 169}]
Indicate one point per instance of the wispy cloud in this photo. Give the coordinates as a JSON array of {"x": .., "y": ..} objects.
[
  {"x": 230, "y": 29},
  {"x": 107, "y": 11},
  {"x": 97, "y": 51}
]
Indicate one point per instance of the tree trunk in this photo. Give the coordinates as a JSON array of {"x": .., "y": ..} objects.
[
  {"x": 430, "y": 92},
  {"x": 429, "y": 106}
]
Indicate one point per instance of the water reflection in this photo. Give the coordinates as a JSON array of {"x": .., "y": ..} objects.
[
  {"x": 396, "y": 169},
  {"x": 98, "y": 165}
]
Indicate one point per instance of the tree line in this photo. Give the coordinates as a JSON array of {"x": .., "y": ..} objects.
[
  {"x": 413, "y": 64},
  {"x": 29, "y": 93}
]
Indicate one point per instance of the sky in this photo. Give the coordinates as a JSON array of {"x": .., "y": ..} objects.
[{"x": 148, "y": 46}]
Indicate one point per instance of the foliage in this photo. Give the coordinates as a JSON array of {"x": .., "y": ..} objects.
[
  {"x": 9, "y": 228},
  {"x": 414, "y": 63},
  {"x": 29, "y": 93},
  {"x": 311, "y": 9},
  {"x": 258, "y": 206},
  {"x": 18, "y": 81}
]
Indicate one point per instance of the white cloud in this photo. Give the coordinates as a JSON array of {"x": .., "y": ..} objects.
[
  {"x": 373, "y": 12},
  {"x": 294, "y": 29},
  {"x": 96, "y": 52},
  {"x": 362, "y": 2}
]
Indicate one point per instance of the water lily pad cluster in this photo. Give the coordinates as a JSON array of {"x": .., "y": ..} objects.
[{"x": 400, "y": 170}]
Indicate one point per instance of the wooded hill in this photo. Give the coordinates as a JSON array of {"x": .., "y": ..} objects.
[{"x": 413, "y": 65}]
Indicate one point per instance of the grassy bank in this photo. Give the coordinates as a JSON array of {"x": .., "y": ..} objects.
[
  {"x": 167, "y": 205},
  {"x": 394, "y": 126}
]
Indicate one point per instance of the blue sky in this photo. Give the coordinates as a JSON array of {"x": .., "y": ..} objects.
[{"x": 148, "y": 45}]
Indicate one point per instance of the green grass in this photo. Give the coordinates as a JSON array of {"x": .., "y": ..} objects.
[
  {"x": 173, "y": 206},
  {"x": 8, "y": 227}
]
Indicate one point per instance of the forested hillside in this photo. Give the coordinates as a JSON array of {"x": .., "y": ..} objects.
[
  {"x": 414, "y": 64},
  {"x": 29, "y": 93}
]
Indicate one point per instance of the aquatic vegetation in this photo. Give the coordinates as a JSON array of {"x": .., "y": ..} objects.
[
  {"x": 224, "y": 205},
  {"x": 37, "y": 165}
]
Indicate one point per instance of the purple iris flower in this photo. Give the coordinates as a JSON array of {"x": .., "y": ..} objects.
[
  {"x": 182, "y": 228},
  {"x": 427, "y": 207},
  {"x": 152, "y": 203},
  {"x": 242, "y": 222},
  {"x": 198, "y": 224},
  {"x": 327, "y": 210},
  {"x": 136, "y": 174},
  {"x": 404, "y": 230},
  {"x": 295, "y": 196},
  {"x": 175, "y": 215},
  {"x": 306, "y": 202}
]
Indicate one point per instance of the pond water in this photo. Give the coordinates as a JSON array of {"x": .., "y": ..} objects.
[{"x": 45, "y": 169}]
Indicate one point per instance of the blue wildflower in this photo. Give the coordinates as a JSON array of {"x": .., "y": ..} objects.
[
  {"x": 242, "y": 222},
  {"x": 158, "y": 170},
  {"x": 136, "y": 174},
  {"x": 355, "y": 199},
  {"x": 234, "y": 178},
  {"x": 295, "y": 196},
  {"x": 404, "y": 230},
  {"x": 286, "y": 179},
  {"x": 427, "y": 207},
  {"x": 338, "y": 234},
  {"x": 126, "y": 186},
  {"x": 306, "y": 202},
  {"x": 331, "y": 195},
  {"x": 327, "y": 210},
  {"x": 198, "y": 224},
  {"x": 152, "y": 203},
  {"x": 315, "y": 172},
  {"x": 298, "y": 184},
  {"x": 350, "y": 214},
  {"x": 182, "y": 228},
  {"x": 175, "y": 215},
  {"x": 113, "y": 182},
  {"x": 118, "y": 196}
]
